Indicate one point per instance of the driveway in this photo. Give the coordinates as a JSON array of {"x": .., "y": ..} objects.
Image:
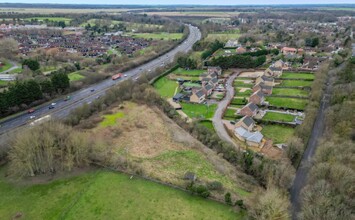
[
  {"x": 14, "y": 66},
  {"x": 218, "y": 115}
]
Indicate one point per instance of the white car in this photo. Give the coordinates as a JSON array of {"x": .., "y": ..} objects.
[
  {"x": 32, "y": 117},
  {"x": 53, "y": 103},
  {"x": 125, "y": 75}
]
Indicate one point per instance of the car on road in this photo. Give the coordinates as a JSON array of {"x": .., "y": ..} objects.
[
  {"x": 67, "y": 98},
  {"x": 31, "y": 110},
  {"x": 53, "y": 104},
  {"x": 92, "y": 90},
  {"x": 51, "y": 107},
  {"x": 32, "y": 117},
  {"x": 125, "y": 75}
]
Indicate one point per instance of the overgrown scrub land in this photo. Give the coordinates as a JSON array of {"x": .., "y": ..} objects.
[
  {"x": 102, "y": 194},
  {"x": 329, "y": 194}
]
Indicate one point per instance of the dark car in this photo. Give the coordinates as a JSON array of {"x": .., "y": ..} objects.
[
  {"x": 51, "y": 107},
  {"x": 92, "y": 90}
]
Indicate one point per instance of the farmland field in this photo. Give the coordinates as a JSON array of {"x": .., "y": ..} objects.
[
  {"x": 274, "y": 116},
  {"x": 181, "y": 71},
  {"x": 278, "y": 133},
  {"x": 223, "y": 36},
  {"x": 290, "y": 92},
  {"x": 158, "y": 36},
  {"x": 295, "y": 83},
  {"x": 66, "y": 20},
  {"x": 75, "y": 76},
  {"x": 292, "y": 103},
  {"x": 104, "y": 195},
  {"x": 198, "y": 110},
  {"x": 165, "y": 87},
  {"x": 293, "y": 75}
]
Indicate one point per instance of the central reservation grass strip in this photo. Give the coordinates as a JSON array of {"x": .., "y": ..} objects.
[{"x": 198, "y": 110}]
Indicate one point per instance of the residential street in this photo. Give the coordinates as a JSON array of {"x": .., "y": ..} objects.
[{"x": 217, "y": 118}]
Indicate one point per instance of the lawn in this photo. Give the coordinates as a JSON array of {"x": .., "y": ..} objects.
[
  {"x": 230, "y": 113},
  {"x": 189, "y": 84},
  {"x": 239, "y": 101},
  {"x": 293, "y": 75},
  {"x": 6, "y": 66},
  {"x": 243, "y": 84},
  {"x": 16, "y": 70},
  {"x": 3, "y": 83},
  {"x": 207, "y": 124},
  {"x": 246, "y": 93},
  {"x": 198, "y": 110},
  {"x": 292, "y": 103},
  {"x": 105, "y": 195},
  {"x": 277, "y": 133},
  {"x": 274, "y": 116},
  {"x": 158, "y": 36},
  {"x": 181, "y": 71},
  {"x": 290, "y": 92},
  {"x": 110, "y": 120},
  {"x": 294, "y": 83},
  {"x": 165, "y": 87},
  {"x": 75, "y": 76}
]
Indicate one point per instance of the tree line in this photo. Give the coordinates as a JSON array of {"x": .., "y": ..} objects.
[{"x": 238, "y": 61}]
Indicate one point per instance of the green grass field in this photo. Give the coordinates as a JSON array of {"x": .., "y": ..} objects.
[
  {"x": 207, "y": 124},
  {"x": 293, "y": 75},
  {"x": 16, "y": 70},
  {"x": 246, "y": 93},
  {"x": 277, "y": 133},
  {"x": 158, "y": 36},
  {"x": 110, "y": 120},
  {"x": 290, "y": 92},
  {"x": 198, "y": 110},
  {"x": 295, "y": 83},
  {"x": 230, "y": 113},
  {"x": 239, "y": 101},
  {"x": 274, "y": 116},
  {"x": 3, "y": 83},
  {"x": 243, "y": 84},
  {"x": 75, "y": 76},
  {"x": 165, "y": 87},
  {"x": 189, "y": 84},
  {"x": 6, "y": 66},
  {"x": 222, "y": 36},
  {"x": 66, "y": 20},
  {"x": 105, "y": 195},
  {"x": 181, "y": 71},
  {"x": 292, "y": 103}
]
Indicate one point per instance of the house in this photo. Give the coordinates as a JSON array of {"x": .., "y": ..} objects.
[
  {"x": 197, "y": 96},
  {"x": 257, "y": 98},
  {"x": 288, "y": 50},
  {"x": 264, "y": 88},
  {"x": 273, "y": 72},
  {"x": 266, "y": 80},
  {"x": 249, "y": 110},
  {"x": 246, "y": 122},
  {"x": 253, "y": 139},
  {"x": 240, "y": 50},
  {"x": 281, "y": 64},
  {"x": 208, "y": 89},
  {"x": 232, "y": 44},
  {"x": 178, "y": 97},
  {"x": 214, "y": 69}
]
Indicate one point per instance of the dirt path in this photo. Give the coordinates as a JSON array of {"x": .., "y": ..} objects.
[
  {"x": 218, "y": 115},
  {"x": 306, "y": 162}
]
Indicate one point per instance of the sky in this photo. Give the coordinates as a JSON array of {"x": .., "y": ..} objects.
[{"x": 195, "y": 2}]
